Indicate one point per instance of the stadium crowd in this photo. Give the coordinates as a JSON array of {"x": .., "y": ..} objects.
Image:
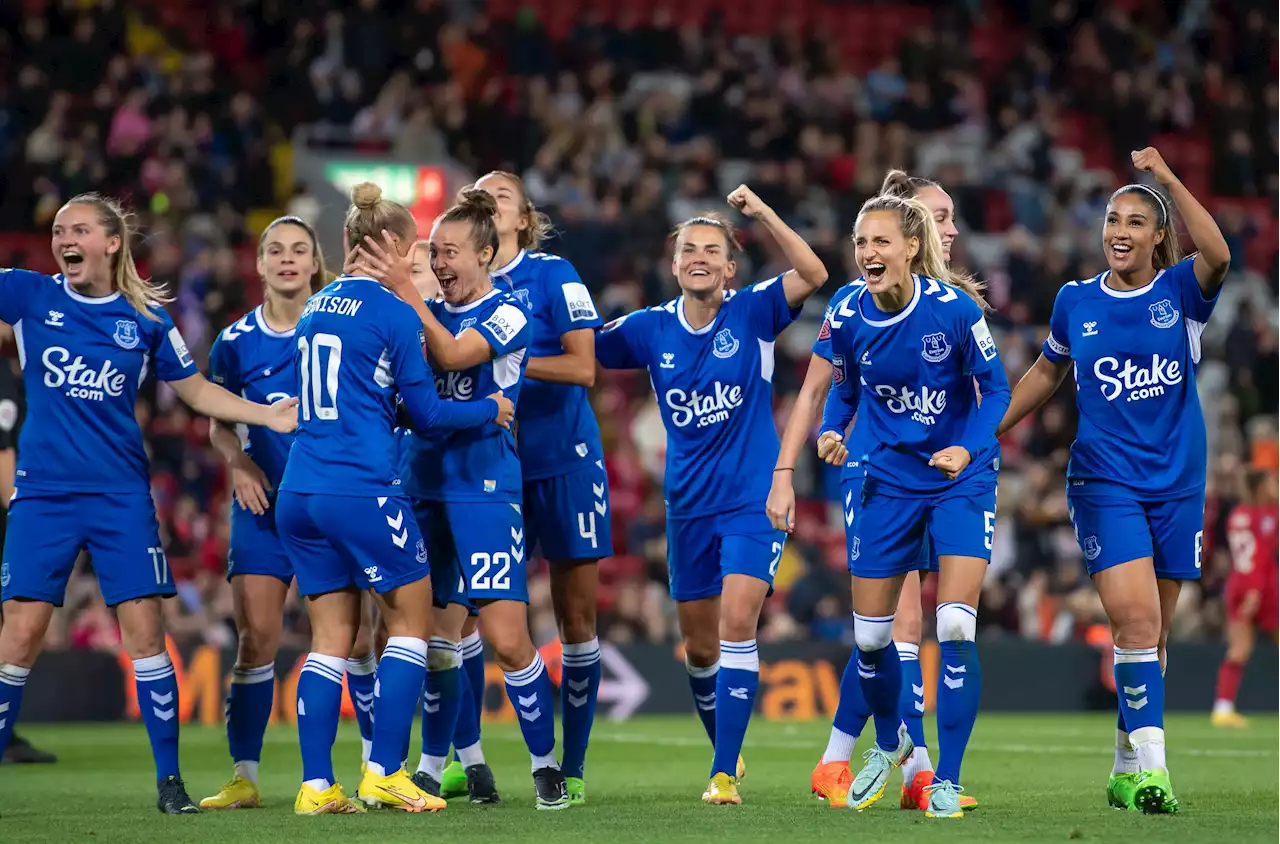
[{"x": 622, "y": 124}]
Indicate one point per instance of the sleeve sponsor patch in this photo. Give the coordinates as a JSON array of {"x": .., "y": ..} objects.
[
  {"x": 578, "y": 300},
  {"x": 986, "y": 343},
  {"x": 837, "y": 369},
  {"x": 180, "y": 347},
  {"x": 1058, "y": 346},
  {"x": 505, "y": 323}
]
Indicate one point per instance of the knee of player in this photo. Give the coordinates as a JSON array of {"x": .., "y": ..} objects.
[
  {"x": 872, "y": 634},
  {"x": 255, "y": 647},
  {"x": 21, "y": 639},
  {"x": 908, "y": 626},
  {"x": 577, "y": 624},
  {"x": 1136, "y": 627},
  {"x": 957, "y": 622},
  {"x": 511, "y": 651},
  {"x": 701, "y": 650},
  {"x": 443, "y": 654}
]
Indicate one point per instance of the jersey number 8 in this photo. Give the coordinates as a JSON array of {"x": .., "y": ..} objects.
[{"x": 318, "y": 382}]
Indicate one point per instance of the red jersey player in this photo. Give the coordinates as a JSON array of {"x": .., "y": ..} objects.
[{"x": 1253, "y": 588}]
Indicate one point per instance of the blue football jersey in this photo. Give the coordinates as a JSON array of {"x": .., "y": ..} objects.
[
  {"x": 356, "y": 347},
  {"x": 83, "y": 361},
  {"x": 556, "y": 432},
  {"x": 915, "y": 371},
  {"x": 714, "y": 387},
  {"x": 480, "y": 464},
  {"x": 253, "y": 360},
  {"x": 1135, "y": 354},
  {"x": 840, "y": 408}
]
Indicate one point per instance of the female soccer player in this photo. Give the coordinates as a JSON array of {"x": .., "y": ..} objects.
[
  {"x": 254, "y": 357},
  {"x": 831, "y": 776},
  {"x": 467, "y": 492},
  {"x": 566, "y": 489},
  {"x": 911, "y": 344},
  {"x": 709, "y": 354},
  {"x": 344, "y": 521},
  {"x": 1251, "y": 592},
  {"x": 1135, "y": 483},
  {"x": 86, "y": 339}
]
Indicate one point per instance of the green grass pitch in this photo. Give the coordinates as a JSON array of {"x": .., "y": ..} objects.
[{"x": 1038, "y": 778}]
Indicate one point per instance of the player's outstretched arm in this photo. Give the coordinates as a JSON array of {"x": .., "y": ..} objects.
[
  {"x": 208, "y": 399},
  {"x": 781, "y": 504},
  {"x": 1032, "y": 390},
  {"x": 809, "y": 273},
  {"x": 1214, "y": 258},
  {"x": 428, "y": 412},
  {"x": 624, "y": 342},
  {"x": 576, "y": 366}
]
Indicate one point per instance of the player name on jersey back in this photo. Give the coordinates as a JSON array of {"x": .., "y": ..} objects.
[{"x": 356, "y": 346}]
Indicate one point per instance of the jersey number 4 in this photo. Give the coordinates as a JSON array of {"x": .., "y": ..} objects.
[{"x": 319, "y": 394}]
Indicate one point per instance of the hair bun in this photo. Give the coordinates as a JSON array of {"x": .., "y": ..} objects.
[
  {"x": 897, "y": 183},
  {"x": 366, "y": 195},
  {"x": 479, "y": 200}
]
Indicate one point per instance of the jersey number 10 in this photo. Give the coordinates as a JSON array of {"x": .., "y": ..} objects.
[{"x": 319, "y": 393}]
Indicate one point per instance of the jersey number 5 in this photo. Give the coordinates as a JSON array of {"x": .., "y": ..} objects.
[{"x": 319, "y": 394}]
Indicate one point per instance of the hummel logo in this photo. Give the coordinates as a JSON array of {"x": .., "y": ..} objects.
[
  {"x": 668, "y": 361},
  {"x": 55, "y": 319},
  {"x": 1090, "y": 329},
  {"x": 865, "y": 360},
  {"x": 740, "y": 694}
]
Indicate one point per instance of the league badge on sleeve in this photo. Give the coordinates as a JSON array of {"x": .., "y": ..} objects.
[
  {"x": 986, "y": 343},
  {"x": 175, "y": 338}
]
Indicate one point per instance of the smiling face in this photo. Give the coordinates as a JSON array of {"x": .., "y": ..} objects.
[
  {"x": 701, "y": 262},
  {"x": 512, "y": 217},
  {"x": 459, "y": 268},
  {"x": 883, "y": 253},
  {"x": 943, "y": 210},
  {"x": 287, "y": 259},
  {"x": 1130, "y": 233},
  {"x": 82, "y": 246}
]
